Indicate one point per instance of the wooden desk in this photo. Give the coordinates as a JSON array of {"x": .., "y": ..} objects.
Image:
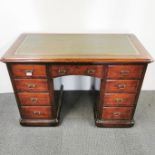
[{"x": 119, "y": 60}]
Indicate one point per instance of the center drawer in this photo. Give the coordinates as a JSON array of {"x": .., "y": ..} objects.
[
  {"x": 31, "y": 85},
  {"x": 36, "y": 112},
  {"x": 89, "y": 70}
]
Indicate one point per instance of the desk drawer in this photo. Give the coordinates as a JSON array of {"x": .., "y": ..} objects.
[
  {"x": 128, "y": 86},
  {"x": 118, "y": 99},
  {"x": 28, "y": 70},
  {"x": 36, "y": 112},
  {"x": 115, "y": 113},
  {"x": 125, "y": 71},
  {"x": 34, "y": 99},
  {"x": 89, "y": 70},
  {"x": 31, "y": 85}
]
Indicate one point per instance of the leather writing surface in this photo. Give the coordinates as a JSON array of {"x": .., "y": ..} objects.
[
  {"x": 60, "y": 45},
  {"x": 92, "y": 48}
]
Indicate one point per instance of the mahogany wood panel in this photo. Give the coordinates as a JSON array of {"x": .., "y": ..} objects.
[
  {"x": 118, "y": 99},
  {"x": 117, "y": 113},
  {"x": 28, "y": 70},
  {"x": 115, "y": 123},
  {"x": 34, "y": 99},
  {"x": 127, "y": 86},
  {"x": 31, "y": 85},
  {"x": 36, "y": 112},
  {"x": 89, "y": 70},
  {"x": 39, "y": 122},
  {"x": 125, "y": 71}
]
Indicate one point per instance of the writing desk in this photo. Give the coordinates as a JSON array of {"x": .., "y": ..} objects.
[{"x": 119, "y": 60}]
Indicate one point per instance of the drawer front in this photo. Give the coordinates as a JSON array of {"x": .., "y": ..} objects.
[
  {"x": 31, "y": 85},
  {"x": 36, "y": 112},
  {"x": 129, "y": 86},
  {"x": 34, "y": 99},
  {"x": 118, "y": 99},
  {"x": 89, "y": 70},
  {"x": 29, "y": 71},
  {"x": 125, "y": 71},
  {"x": 116, "y": 113}
]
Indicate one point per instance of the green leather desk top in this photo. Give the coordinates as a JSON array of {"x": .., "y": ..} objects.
[{"x": 76, "y": 47}]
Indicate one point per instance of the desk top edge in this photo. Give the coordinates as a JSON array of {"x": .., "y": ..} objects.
[{"x": 143, "y": 57}]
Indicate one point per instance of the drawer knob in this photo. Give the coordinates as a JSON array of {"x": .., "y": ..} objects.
[
  {"x": 31, "y": 86},
  {"x": 124, "y": 72},
  {"x": 116, "y": 113},
  {"x": 34, "y": 100},
  {"x": 121, "y": 86},
  {"x": 36, "y": 112},
  {"x": 62, "y": 71},
  {"x": 29, "y": 72},
  {"x": 90, "y": 71},
  {"x": 118, "y": 100}
]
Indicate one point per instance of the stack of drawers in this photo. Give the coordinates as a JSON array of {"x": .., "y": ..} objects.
[
  {"x": 120, "y": 86},
  {"x": 119, "y": 92},
  {"x": 32, "y": 92}
]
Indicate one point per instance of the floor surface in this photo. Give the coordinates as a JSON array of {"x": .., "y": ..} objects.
[{"x": 77, "y": 133}]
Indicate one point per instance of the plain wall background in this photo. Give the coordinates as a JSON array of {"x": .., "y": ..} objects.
[{"x": 77, "y": 16}]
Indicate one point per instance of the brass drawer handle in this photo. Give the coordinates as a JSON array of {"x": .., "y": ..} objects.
[
  {"x": 90, "y": 71},
  {"x": 124, "y": 72},
  {"x": 31, "y": 86},
  {"x": 116, "y": 113},
  {"x": 36, "y": 112},
  {"x": 29, "y": 72},
  {"x": 62, "y": 71},
  {"x": 34, "y": 100},
  {"x": 118, "y": 100},
  {"x": 121, "y": 86}
]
